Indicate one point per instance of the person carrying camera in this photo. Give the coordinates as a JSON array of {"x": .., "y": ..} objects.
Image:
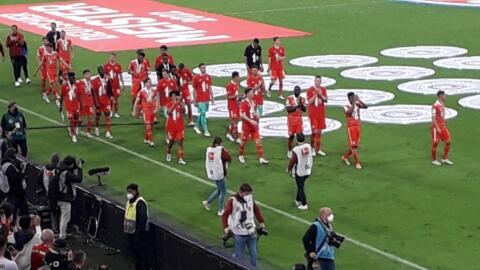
[
  {"x": 242, "y": 211},
  {"x": 62, "y": 188},
  {"x": 15, "y": 184},
  {"x": 59, "y": 257},
  {"x": 14, "y": 128},
  {"x": 320, "y": 240}
]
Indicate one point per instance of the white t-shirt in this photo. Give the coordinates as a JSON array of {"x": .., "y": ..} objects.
[{"x": 6, "y": 264}]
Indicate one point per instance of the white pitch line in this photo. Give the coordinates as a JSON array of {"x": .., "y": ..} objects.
[{"x": 209, "y": 183}]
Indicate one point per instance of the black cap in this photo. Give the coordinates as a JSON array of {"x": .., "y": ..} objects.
[
  {"x": 133, "y": 186},
  {"x": 255, "y": 40}
]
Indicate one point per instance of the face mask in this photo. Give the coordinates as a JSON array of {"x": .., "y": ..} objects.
[
  {"x": 248, "y": 198},
  {"x": 330, "y": 218},
  {"x": 129, "y": 196}
]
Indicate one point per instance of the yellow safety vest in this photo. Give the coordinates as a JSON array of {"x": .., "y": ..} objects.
[{"x": 131, "y": 215}]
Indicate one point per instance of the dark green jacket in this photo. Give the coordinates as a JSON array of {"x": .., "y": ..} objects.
[{"x": 8, "y": 125}]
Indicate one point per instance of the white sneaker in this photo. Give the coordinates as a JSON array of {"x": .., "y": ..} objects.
[
  {"x": 207, "y": 134},
  {"x": 281, "y": 97},
  {"x": 303, "y": 207},
  {"x": 28, "y": 81},
  {"x": 289, "y": 154},
  {"x": 239, "y": 141},
  {"x": 447, "y": 161},
  {"x": 206, "y": 205},
  {"x": 108, "y": 135},
  {"x": 346, "y": 161},
  {"x": 220, "y": 213},
  {"x": 116, "y": 115},
  {"x": 241, "y": 159},
  {"x": 297, "y": 203},
  {"x": 169, "y": 157},
  {"x": 17, "y": 84},
  {"x": 321, "y": 153},
  {"x": 436, "y": 163},
  {"x": 269, "y": 93},
  {"x": 167, "y": 140},
  {"x": 182, "y": 162},
  {"x": 45, "y": 98},
  {"x": 77, "y": 131},
  {"x": 358, "y": 166},
  {"x": 145, "y": 141},
  {"x": 152, "y": 144},
  {"x": 191, "y": 124},
  {"x": 263, "y": 161},
  {"x": 88, "y": 135},
  {"x": 230, "y": 137},
  {"x": 197, "y": 130},
  {"x": 57, "y": 103},
  {"x": 74, "y": 139},
  {"x": 20, "y": 80},
  {"x": 97, "y": 132}
]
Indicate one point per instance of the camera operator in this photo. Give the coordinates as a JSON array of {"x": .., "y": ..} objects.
[
  {"x": 16, "y": 185},
  {"x": 241, "y": 212},
  {"x": 14, "y": 128},
  {"x": 320, "y": 240},
  {"x": 60, "y": 256},
  {"x": 62, "y": 188}
]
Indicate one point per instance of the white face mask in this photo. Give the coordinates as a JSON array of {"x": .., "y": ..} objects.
[
  {"x": 129, "y": 196},
  {"x": 330, "y": 218},
  {"x": 248, "y": 198}
]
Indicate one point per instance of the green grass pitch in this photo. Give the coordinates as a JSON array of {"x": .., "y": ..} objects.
[{"x": 399, "y": 203}]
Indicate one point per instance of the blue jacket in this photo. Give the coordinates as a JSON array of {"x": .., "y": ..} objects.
[{"x": 326, "y": 251}]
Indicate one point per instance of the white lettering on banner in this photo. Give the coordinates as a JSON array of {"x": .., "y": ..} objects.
[
  {"x": 188, "y": 36},
  {"x": 182, "y": 16},
  {"x": 73, "y": 11},
  {"x": 151, "y": 32}
]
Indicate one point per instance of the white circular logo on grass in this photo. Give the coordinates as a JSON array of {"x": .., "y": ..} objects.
[
  {"x": 472, "y": 102},
  {"x": 225, "y": 70},
  {"x": 452, "y": 86},
  {"x": 333, "y": 61},
  {"x": 401, "y": 114},
  {"x": 387, "y": 73},
  {"x": 127, "y": 78},
  {"x": 291, "y": 81},
  {"x": 220, "y": 109},
  {"x": 338, "y": 97},
  {"x": 468, "y": 62},
  {"x": 424, "y": 52},
  {"x": 277, "y": 126}
]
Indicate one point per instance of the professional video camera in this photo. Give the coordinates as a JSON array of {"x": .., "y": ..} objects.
[{"x": 335, "y": 239}]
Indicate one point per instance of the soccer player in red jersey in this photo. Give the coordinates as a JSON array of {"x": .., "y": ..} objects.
[
  {"x": 316, "y": 98},
  {"x": 159, "y": 59},
  {"x": 233, "y": 108},
  {"x": 148, "y": 97},
  {"x": 114, "y": 71},
  {"x": 40, "y": 52},
  {"x": 250, "y": 126},
  {"x": 185, "y": 76},
  {"x": 296, "y": 106},
  {"x": 256, "y": 83},
  {"x": 139, "y": 69},
  {"x": 276, "y": 55},
  {"x": 65, "y": 52},
  {"x": 50, "y": 63},
  {"x": 352, "y": 112},
  {"x": 202, "y": 95},
  {"x": 69, "y": 98},
  {"x": 440, "y": 131},
  {"x": 102, "y": 88},
  {"x": 164, "y": 87},
  {"x": 175, "y": 125},
  {"x": 87, "y": 102}
]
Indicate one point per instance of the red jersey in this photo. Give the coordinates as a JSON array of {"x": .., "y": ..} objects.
[
  {"x": 148, "y": 98},
  {"x": 201, "y": 85},
  {"x": 317, "y": 107},
  {"x": 293, "y": 101},
  {"x": 50, "y": 61},
  {"x": 254, "y": 82},
  {"x": 353, "y": 118},
  {"x": 70, "y": 97},
  {"x": 164, "y": 87},
  {"x": 159, "y": 61},
  {"x": 114, "y": 70},
  {"x": 63, "y": 48},
  {"x": 139, "y": 71},
  {"x": 41, "y": 51},
  {"x": 232, "y": 89},
  {"x": 100, "y": 86},
  {"x": 185, "y": 76},
  {"x": 85, "y": 93},
  {"x": 38, "y": 253},
  {"x": 175, "y": 117},
  {"x": 438, "y": 111},
  {"x": 274, "y": 53},
  {"x": 249, "y": 108}
]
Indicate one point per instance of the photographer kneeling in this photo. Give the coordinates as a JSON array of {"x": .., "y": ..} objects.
[
  {"x": 63, "y": 189},
  {"x": 240, "y": 214},
  {"x": 320, "y": 240}
]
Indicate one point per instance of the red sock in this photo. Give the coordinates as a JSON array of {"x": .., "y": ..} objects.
[
  {"x": 290, "y": 144},
  {"x": 434, "y": 151},
  {"x": 73, "y": 123},
  {"x": 148, "y": 128},
  {"x": 280, "y": 88},
  {"x": 180, "y": 151},
  {"x": 318, "y": 140},
  {"x": 347, "y": 154},
  {"x": 108, "y": 123},
  {"x": 260, "y": 150},
  {"x": 169, "y": 149},
  {"x": 446, "y": 149},
  {"x": 242, "y": 148},
  {"x": 54, "y": 90},
  {"x": 44, "y": 86},
  {"x": 355, "y": 157},
  {"x": 115, "y": 104}
]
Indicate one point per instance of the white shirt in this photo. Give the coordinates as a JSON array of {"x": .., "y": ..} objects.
[{"x": 6, "y": 264}]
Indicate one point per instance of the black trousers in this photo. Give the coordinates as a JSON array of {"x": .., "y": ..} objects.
[
  {"x": 19, "y": 63},
  {"x": 323, "y": 263},
  {"x": 19, "y": 204},
  {"x": 301, "y": 197},
  {"x": 22, "y": 144},
  {"x": 139, "y": 246}
]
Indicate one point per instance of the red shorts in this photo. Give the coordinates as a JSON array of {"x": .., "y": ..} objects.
[
  {"x": 186, "y": 95},
  {"x": 295, "y": 126},
  {"x": 353, "y": 134},
  {"x": 443, "y": 135},
  {"x": 51, "y": 77},
  {"x": 116, "y": 92},
  {"x": 317, "y": 123},
  {"x": 44, "y": 74},
  {"x": 72, "y": 114},
  {"x": 148, "y": 116},
  {"x": 105, "y": 108},
  {"x": 234, "y": 114},
  {"x": 176, "y": 134},
  {"x": 64, "y": 68},
  {"x": 135, "y": 89},
  {"x": 250, "y": 132},
  {"x": 87, "y": 111},
  {"x": 277, "y": 74}
]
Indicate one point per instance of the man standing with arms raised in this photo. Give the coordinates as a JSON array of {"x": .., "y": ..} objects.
[{"x": 316, "y": 98}]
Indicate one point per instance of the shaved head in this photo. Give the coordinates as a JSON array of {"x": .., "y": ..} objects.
[{"x": 324, "y": 212}]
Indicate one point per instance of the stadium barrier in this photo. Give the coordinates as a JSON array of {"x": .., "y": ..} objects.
[{"x": 172, "y": 248}]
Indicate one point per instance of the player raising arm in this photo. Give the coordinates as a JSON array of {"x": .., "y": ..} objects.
[
  {"x": 316, "y": 98},
  {"x": 352, "y": 112},
  {"x": 440, "y": 131},
  {"x": 175, "y": 125}
]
